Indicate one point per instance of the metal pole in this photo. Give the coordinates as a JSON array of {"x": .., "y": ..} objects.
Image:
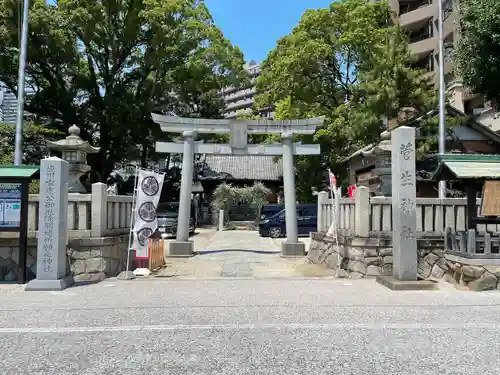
[
  {"x": 442, "y": 88},
  {"x": 132, "y": 216},
  {"x": 18, "y": 152}
]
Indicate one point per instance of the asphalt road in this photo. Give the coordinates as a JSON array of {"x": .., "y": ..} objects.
[{"x": 248, "y": 326}]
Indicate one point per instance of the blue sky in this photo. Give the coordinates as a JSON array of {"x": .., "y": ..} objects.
[{"x": 256, "y": 25}]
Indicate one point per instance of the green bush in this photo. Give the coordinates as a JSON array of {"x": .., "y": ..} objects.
[{"x": 227, "y": 195}]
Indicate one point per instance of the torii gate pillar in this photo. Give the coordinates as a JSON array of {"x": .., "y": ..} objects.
[
  {"x": 291, "y": 247},
  {"x": 182, "y": 246}
]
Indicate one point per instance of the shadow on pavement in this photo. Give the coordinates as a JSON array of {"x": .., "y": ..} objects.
[
  {"x": 78, "y": 284},
  {"x": 203, "y": 252}
]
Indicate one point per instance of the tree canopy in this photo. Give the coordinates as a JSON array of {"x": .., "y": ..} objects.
[
  {"x": 477, "y": 53},
  {"x": 35, "y": 142},
  {"x": 350, "y": 64},
  {"x": 106, "y": 65}
]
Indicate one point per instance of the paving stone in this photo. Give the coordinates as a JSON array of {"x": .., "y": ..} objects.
[{"x": 240, "y": 254}]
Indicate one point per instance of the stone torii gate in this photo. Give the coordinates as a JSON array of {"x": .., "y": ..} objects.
[{"x": 238, "y": 130}]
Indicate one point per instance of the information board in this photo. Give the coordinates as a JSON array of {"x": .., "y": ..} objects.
[
  {"x": 490, "y": 204},
  {"x": 10, "y": 205}
]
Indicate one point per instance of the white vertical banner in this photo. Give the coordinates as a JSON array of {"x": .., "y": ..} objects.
[
  {"x": 332, "y": 231},
  {"x": 149, "y": 185}
]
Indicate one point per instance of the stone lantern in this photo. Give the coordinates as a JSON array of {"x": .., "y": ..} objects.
[
  {"x": 382, "y": 171},
  {"x": 74, "y": 150}
]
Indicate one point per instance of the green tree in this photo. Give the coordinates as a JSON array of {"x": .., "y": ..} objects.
[
  {"x": 106, "y": 65},
  {"x": 350, "y": 64},
  {"x": 35, "y": 139},
  {"x": 477, "y": 53},
  {"x": 259, "y": 195}
]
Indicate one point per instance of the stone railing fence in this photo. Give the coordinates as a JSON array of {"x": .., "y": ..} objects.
[
  {"x": 364, "y": 216},
  {"x": 89, "y": 215},
  {"x": 481, "y": 249}
]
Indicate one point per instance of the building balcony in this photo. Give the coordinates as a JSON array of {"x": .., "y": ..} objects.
[
  {"x": 413, "y": 12},
  {"x": 238, "y": 95},
  {"x": 422, "y": 45},
  {"x": 240, "y": 104}
]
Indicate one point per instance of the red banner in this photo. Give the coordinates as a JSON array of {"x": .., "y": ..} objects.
[{"x": 350, "y": 190}]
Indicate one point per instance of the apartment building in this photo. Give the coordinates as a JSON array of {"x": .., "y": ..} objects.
[
  {"x": 419, "y": 18},
  {"x": 240, "y": 101},
  {"x": 8, "y": 106}
]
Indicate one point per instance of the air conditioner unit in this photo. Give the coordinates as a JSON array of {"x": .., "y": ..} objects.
[{"x": 478, "y": 111}]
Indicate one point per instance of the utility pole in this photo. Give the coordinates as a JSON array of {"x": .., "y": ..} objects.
[
  {"x": 442, "y": 88},
  {"x": 18, "y": 151}
]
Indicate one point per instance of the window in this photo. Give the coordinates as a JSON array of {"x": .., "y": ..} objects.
[
  {"x": 409, "y": 6},
  {"x": 422, "y": 33},
  {"x": 71, "y": 156},
  {"x": 309, "y": 211},
  {"x": 427, "y": 63},
  {"x": 282, "y": 214}
]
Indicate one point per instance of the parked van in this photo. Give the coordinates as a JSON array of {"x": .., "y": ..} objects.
[
  {"x": 275, "y": 225},
  {"x": 269, "y": 210}
]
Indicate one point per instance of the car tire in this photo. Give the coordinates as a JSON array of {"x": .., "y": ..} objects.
[{"x": 275, "y": 232}]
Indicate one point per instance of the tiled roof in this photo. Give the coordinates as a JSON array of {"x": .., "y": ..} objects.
[{"x": 225, "y": 167}]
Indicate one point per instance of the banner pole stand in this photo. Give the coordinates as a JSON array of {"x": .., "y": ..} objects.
[
  {"x": 333, "y": 230},
  {"x": 143, "y": 222},
  {"x": 128, "y": 274}
]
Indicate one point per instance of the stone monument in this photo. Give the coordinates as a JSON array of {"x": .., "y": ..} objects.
[
  {"x": 239, "y": 131},
  {"x": 74, "y": 150},
  {"x": 404, "y": 204},
  {"x": 404, "y": 213},
  {"x": 52, "y": 230}
]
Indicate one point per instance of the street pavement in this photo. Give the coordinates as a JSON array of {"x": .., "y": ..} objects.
[
  {"x": 258, "y": 314},
  {"x": 248, "y": 326}
]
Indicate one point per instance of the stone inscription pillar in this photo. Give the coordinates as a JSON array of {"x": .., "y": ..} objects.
[
  {"x": 404, "y": 215},
  {"x": 52, "y": 228},
  {"x": 182, "y": 246},
  {"x": 292, "y": 246}
]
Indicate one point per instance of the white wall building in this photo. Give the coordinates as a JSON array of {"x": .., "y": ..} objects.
[
  {"x": 8, "y": 106},
  {"x": 240, "y": 101}
]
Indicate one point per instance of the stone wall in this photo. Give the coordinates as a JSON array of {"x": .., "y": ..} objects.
[
  {"x": 369, "y": 257},
  {"x": 9, "y": 258},
  {"x": 90, "y": 259},
  {"x": 357, "y": 257},
  {"x": 94, "y": 259}
]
